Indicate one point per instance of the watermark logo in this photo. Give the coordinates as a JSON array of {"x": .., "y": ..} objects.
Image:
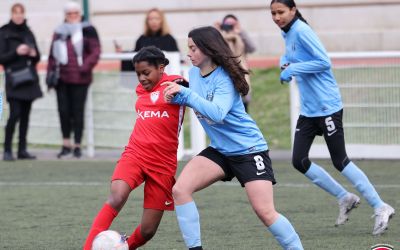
[{"x": 382, "y": 247}]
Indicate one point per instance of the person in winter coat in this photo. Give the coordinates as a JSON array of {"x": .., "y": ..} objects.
[
  {"x": 19, "y": 55},
  {"x": 240, "y": 44},
  {"x": 75, "y": 50},
  {"x": 156, "y": 33}
]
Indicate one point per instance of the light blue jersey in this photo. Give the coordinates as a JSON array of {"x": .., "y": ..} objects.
[
  {"x": 309, "y": 63},
  {"x": 218, "y": 106}
]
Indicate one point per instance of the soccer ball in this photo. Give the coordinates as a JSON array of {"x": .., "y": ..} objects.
[{"x": 109, "y": 240}]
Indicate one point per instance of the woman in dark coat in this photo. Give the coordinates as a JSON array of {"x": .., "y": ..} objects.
[
  {"x": 156, "y": 33},
  {"x": 18, "y": 51}
]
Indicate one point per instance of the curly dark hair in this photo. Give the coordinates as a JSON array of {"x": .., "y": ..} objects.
[
  {"x": 151, "y": 54},
  {"x": 210, "y": 41}
]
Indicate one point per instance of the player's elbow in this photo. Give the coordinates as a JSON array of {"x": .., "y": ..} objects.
[
  {"x": 325, "y": 64},
  {"x": 217, "y": 119}
]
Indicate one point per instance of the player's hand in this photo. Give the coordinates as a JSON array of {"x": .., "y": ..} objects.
[
  {"x": 171, "y": 90},
  {"x": 286, "y": 75},
  {"x": 284, "y": 66}
]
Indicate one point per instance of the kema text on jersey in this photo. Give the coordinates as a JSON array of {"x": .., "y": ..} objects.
[{"x": 152, "y": 114}]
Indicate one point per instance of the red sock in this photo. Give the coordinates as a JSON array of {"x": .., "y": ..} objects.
[
  {"x": 101, "y": 222},
  {"x": 136, "y": 239}
]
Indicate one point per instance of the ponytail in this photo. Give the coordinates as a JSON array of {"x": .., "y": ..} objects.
[{"x": 299, "y": 16}]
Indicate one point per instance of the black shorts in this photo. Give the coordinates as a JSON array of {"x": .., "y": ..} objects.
[
  {"x": 329, "y": 126},
  {"x": 250, "y": 167}
]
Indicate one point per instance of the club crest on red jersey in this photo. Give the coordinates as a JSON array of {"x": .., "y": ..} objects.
[
  {"x": 382, "y": 247},
  {"x": 154, "y": 96}
]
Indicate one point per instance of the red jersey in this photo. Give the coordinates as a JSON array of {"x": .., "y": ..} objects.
[{"x": 154, "y": 140}]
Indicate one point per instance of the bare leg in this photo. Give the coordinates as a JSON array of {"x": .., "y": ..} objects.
[
  {"x": 260, "y": 194},
  {"x": 151, "y": 219},
  {"x": 120, "y": 191},
  {"x": 199, "y": 173}
]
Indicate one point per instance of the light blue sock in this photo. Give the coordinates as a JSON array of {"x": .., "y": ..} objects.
[
  {"x": 322, "y": 179},
  {"x": 285, "y": 234},
  {"x": 360, "y": 182},
  {"x": 189, "y": 223}
]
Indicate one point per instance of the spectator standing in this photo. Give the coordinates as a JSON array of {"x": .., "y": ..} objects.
[
  {"x": 156, "y": 33},
  {"x": 19, "y": 56},
  {"x": 240, "y": 44},
  {"x": 76, "y": 50}
]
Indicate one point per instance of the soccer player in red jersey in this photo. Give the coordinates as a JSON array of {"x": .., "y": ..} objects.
[{"x": 151, "y": 154}]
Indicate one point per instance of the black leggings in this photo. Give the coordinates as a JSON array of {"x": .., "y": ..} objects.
[
  {"x": 71, "y": 100},
  {"x": 331, "y": 127},
  {"x": 19, "y": 111}
]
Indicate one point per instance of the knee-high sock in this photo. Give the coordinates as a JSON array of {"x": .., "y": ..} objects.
[
  {"x": 189, "y": 223},
  {"x": 285, "y": 234},
  {"x": 136, "y": 239},
  {"x": 322, "y": 179},
  {"x": 360, "y": 182},
  {"x": 101, "y": 222}
]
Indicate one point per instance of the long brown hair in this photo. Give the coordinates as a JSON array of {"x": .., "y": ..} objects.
[
  {"x": 210, "y": 41},
  {"x": 164, "y": 25}
]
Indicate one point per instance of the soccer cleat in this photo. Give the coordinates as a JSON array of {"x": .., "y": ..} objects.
[
  {"x": 382, "y": 216},
  {"x": 346, "y": 204}
]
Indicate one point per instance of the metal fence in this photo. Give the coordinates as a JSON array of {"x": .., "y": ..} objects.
[{"x": 370, "y": 87}]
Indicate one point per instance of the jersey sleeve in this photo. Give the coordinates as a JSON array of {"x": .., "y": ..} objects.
[
  {"x": 215, "y": 110},
  {"x": 313, "y": 46}
]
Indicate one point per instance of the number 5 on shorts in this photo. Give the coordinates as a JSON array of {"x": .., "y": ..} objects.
[{"x": 330, "y": 125}]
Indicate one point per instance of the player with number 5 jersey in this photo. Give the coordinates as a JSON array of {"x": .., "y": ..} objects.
[
  {"x": 151, "y": 154},
  {"x": 321, "y": 113},
  {"x": 237, "y": 148}
]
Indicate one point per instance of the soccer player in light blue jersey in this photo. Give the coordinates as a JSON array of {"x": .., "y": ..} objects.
[
  {"x": 237, "y": 149},
  {"x": 321, "y": 114}
]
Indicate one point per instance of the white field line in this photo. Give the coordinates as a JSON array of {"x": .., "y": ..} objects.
[{"x": 88, "y": 184}]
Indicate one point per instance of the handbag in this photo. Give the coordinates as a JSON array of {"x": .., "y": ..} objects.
[
  {"x": 53, "y": 76},
  {"x": 21, "y": 77}
]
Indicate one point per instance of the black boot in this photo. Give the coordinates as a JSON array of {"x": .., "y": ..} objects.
[
  {"x": 64, "y": 152},
  {"x": 77, "y": 152},
  {"x": 24, "y": 155},
  {"x": 7, "y": 156}
]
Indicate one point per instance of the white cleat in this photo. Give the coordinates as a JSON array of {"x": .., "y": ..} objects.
[
  {"x": 382, "y": 216},
  {"x": 346, "y": 204}
]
